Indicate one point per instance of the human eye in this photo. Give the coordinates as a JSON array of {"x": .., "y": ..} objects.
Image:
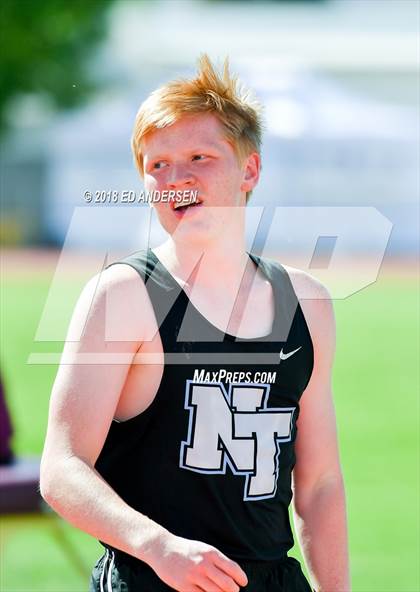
[
  {"x": 158, "y": 165},
  {"x": 199, "y": 157}
]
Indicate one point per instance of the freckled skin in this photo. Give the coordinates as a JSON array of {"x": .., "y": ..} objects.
[{"x": 193, "y": 154}]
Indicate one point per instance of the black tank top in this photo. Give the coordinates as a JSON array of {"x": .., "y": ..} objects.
[{"x": 211, "y": 458}]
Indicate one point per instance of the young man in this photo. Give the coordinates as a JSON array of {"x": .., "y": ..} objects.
[{"x": 177, "y": 453}]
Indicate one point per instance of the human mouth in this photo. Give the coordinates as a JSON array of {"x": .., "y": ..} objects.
[{"x": 186, "y": 207}]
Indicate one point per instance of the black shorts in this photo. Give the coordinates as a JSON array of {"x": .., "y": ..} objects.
[{"x": 113, "y": 573}]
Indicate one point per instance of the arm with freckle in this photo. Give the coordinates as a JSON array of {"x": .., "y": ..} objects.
[{"x": 82, "y": 406}]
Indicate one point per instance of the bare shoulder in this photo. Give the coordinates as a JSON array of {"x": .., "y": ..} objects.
[
  {"x": 121, "y": 276},
  {"x": 116, "y": 300},
  {"x": 315, "y": 301},
  {"x": 306, "y": 286},
  {"x": 107, "y": 328},
  {"x": 118, "y": 278}
]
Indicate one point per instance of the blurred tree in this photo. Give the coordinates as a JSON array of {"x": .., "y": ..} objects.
[{"x": 45, "y": 45}]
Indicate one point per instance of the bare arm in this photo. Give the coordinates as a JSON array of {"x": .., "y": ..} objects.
[
  {"x": 319, "y": 496},
  {"x": 82, "y": 407}
]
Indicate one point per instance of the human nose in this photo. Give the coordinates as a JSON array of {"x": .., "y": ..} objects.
[{"x": 179, "y": 175}]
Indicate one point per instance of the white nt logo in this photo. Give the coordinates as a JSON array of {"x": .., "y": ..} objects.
[{"x": 235, "y": 429}]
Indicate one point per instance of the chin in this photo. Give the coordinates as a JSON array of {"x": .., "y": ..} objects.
[{"x": 194, "y": 236}]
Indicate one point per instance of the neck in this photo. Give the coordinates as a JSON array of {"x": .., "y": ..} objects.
[{"x": 225, "y": 259}]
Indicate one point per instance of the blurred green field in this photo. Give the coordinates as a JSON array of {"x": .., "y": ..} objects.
[{"x": 376, "y": 384}]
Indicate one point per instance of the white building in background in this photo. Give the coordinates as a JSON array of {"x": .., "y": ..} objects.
[{"x": 339, "y": 82}]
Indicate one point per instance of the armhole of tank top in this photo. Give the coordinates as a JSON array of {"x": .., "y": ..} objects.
[
  {"x": 299, "y": 310},
  {"x": 129, "y": 264},
  {"x": 139, "y": 261},
  {"x": 284, "y": 274},
  {"x": 144, "y": 274}
]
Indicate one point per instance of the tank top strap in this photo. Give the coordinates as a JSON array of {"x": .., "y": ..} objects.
[
  {"x": 170, "y": 302},
  {"x": 165, "y": 294},
  {"x": 286, "y": 301}
]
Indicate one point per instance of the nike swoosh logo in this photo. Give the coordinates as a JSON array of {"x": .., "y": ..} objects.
[{"x": 285, "y": 356}]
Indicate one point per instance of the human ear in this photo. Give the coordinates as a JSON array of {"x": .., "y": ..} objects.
[{"x": 251, "y": 172}]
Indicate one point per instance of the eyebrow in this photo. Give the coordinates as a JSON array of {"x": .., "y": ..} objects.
[{"x": 196, "y": 150}]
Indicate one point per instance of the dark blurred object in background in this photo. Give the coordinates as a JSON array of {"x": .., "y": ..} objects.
[{"x": 6, "y": 431}]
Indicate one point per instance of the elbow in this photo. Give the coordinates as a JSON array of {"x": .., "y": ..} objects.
[
  {"x": 330, "y": 487},
  {"x": 48, "y": 481},
  {"x": 57, "y": 479},
  {"x": 45, "y": 486}
]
